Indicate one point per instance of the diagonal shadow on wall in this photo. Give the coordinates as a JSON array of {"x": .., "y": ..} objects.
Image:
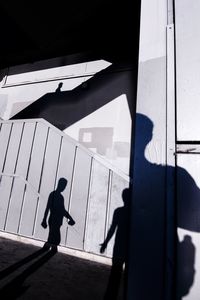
[{"x": 64, "y": 108}]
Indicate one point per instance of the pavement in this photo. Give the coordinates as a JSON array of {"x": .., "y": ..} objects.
[{"x": 28, "y": 271}]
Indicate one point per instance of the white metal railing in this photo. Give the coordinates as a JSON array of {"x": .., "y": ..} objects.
[
  {"x": 23, "y": 179},
  {"x": 74, "y": 142}
]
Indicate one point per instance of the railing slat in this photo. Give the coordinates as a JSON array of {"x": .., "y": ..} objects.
[
  {"x": 97, "y": 208},
  {"x": 31, "y": 166},
  {"x": 65, "y": 170},
  {"x": 18, "y": 185},
  {"x": 10, "y": 166},
  {"x": 4, "y": 142},
  {"x": 116, "y": 201},
  {"x": 30, "y": 198},
  {"x": 47, "y": 182},
  {"x": 78, "y": 201}
]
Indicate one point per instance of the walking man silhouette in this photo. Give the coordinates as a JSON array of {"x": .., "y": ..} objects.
[{"x": 55, "y": 206}]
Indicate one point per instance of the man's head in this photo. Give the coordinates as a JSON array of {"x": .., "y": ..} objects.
[{"x": 62, "y": 183}]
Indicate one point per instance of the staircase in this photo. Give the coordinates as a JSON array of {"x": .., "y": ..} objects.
[{"x": 34, "y": 155}]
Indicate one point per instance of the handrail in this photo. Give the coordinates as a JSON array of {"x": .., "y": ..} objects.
[
  {"x": 24, "y": 180},
  {"x": 34, "y": 190}
]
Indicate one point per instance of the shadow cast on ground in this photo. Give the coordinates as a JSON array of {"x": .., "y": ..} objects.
[{"x": 28, "y": 272}]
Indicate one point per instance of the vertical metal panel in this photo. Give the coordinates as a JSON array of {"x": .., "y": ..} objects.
[
  {"x": 65, "y": 170},
  {"x": 19, "y": 185},
  {"x": 148, "y": 205},
  {"x": 188, "y": 221},
  {"x": 116, "y": 201},
  {"x": 4, "y": 140},
  {"x": 96, "y": 221},
  {"x": 187, "y": 69},
  {"x": 79, "y": 197},
  {"x": 10, "y": 165},
  {"x": 42, "y": 156},
  {"x": 34, "y": 174},
  {"x": 170, "y": 162},
  {"x": 48, "y": 181},
  {"x": 170, "y": 11}
]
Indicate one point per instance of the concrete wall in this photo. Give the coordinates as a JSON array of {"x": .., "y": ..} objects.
[
  {"x": 188, "y": 65},
  {"x": 153, "y": 194},
  {"x": 147, "y": 248}
]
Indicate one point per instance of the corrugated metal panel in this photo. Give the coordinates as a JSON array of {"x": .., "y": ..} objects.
[
  {"x": 187, "y": 69},
  {"x": 18, "y": 189},
  {"x": 36, "y": 158},
  {"x": 79, "y": 198},
  {"x": 98, "y": 203},
  {"x": 10, "y": 167},
  {"x": 116, "y": 201},
  {"x": 188, "y": 231},
  {"x": 65, "y": 170},
  {"x": 47, "y": 181},
  {"x": 33, "y": 177},
  {"x": 4, "y": 141}
]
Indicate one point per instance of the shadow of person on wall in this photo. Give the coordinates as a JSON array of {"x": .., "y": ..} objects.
[
  {"x": 64, "y": 107},
  {"x": 120, "y": 225},
  {"x": 58, "y": 90},
  {"x": 153, "y": 247},
  {"x": 56, "y": 210}
]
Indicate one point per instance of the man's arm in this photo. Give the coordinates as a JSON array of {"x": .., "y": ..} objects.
[
  {"x": 69, "y": 217},
  {"x": 110, "y": 233}
]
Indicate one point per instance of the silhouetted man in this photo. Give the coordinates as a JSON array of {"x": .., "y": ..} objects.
[{"x": 55, "y": 206}]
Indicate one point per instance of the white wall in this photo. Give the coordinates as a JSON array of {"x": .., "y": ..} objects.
[
  {"x": 106, "y": 131},
  {"x": 188, "y": 66},
  {"x": 188, "y": 131},
  {"x": 147, "y": 247},
  {"x": 24, "y": 84}
]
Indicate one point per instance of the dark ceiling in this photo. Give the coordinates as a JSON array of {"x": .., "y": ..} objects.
[{"x": 31, "y": 31}]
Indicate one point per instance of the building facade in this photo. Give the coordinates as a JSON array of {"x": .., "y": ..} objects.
[{"x": 106, "y": 121}]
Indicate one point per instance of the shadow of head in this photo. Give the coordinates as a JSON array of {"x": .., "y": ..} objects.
[
  {"x": 59, "y": 87},
  {"x": 126, "y": 196},
  {"x": 144, "y": 129},
  {"x": 62, "y": 183}
]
